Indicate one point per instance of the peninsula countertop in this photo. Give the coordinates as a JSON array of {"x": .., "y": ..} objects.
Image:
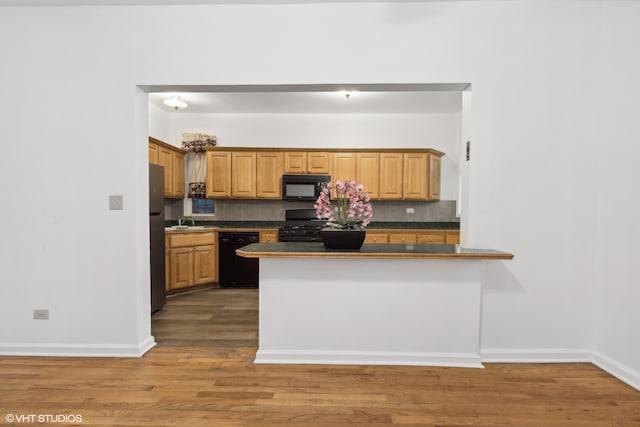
[{"x": 404, "y": 251}]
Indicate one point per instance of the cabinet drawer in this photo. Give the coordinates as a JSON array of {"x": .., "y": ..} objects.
[
  {"x": 269, "y": 236},
  {"x": 408, "y": 238},
  {"x": 191, "y": 239},
  {"x": 374, "y": 237},
  {"x": 431, "y": 238}
]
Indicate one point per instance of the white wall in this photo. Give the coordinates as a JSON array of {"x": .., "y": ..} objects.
[
  {"x": 438, "y": 131},
  {"x": 158, "y": 123},
  {"x": 551, "y": 160},
  {"x": 617, "y": 323}
]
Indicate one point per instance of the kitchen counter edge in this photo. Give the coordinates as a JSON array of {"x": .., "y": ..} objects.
[{"x": 317, "y": 250}]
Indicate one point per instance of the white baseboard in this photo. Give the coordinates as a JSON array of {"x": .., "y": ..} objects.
[
  {"x": 77, "y": 350},
  {"x": 460, "y": 360},
  {"x": 500, "y": 355},
  {"x": 618, "y": 370}
]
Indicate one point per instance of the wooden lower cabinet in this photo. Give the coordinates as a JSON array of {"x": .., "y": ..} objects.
[
  {"x": 181, "y": 268},
  {"x": 452, "y": 238},
  {"x": 193, "y": 259},
  {"x": 204, "y": 264},
  {"x": 410, "y": 237}
]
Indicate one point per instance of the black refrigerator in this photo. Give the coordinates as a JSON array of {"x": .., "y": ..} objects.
[{"x": 156, "y": 236}]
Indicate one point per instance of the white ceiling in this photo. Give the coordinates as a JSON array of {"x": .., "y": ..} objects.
[
  {"x": 319, "y": 99},
  {"x": 181, "y": 2}
]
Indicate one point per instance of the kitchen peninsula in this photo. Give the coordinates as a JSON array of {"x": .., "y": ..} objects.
[{"x": 386, "y": 304}]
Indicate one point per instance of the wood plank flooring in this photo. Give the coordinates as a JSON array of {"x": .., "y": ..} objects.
[{"x": 201, "y": 374}]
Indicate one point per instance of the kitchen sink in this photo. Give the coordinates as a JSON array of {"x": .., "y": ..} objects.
[{"x": 191, "y": 227}]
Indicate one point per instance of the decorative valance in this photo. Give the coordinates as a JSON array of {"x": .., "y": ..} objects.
[{"x": 197, "y": 142}]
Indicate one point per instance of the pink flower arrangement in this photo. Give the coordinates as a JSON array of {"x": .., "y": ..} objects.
[{"x": 352, "y": 205}]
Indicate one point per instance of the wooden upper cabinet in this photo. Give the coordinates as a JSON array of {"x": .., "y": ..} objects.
[
  {"x": 218, "y": 174},
  {"x": 368, "y": 173},
  {"x": 415, "y": 176},
  {"x": 421, "y": 176},
  {"x": 318, "y": 162},
  {"x": 178, "y": 175},
  {"x": 391, "y": 176},
  {"x": 311, "y": 162},
  {"x": 243, "y": 174},
  {"x": 269, "y": 175},
  {"x": 172, "y": 159},
  {"x": 343, "y": 167},
  {"x": 386, "y": 174},
  {"x": 165, "y": 159},
  {"x": 295, "y": 162},
  {"x": 433, "y": 190},
  {"x": 154, "y": 152}
]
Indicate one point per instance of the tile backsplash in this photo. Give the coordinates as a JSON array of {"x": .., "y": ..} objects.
[{"x": 273, "y": 210}]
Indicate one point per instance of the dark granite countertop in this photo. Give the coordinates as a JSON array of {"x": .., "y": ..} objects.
[
  {"x": 418, "y": 225},
  {"x": 317, "y": 250}
]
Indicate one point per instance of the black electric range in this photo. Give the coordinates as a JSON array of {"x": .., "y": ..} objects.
[{"x": 301, "y": 225}]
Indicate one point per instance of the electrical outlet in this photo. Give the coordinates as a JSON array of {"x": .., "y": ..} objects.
[
  {"x": 410, "y": 210},
  {"x": 115, "y": 203},
  {"x": 40, "y": 314}
]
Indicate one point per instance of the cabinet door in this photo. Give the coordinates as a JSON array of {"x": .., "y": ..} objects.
[
  {"x": 178, "y": 175},
  {"x": 243, "y": 174},
  {"x": 343, "y": 167},
  {"x": 269, "y": 236},
  {"x": 165, "y": 159},
  {"x": 295, "y": 162},
  {"x": 415, "y": 176},
  {"x": 181, "y": 260},
  {"x": 368, "y": 173},
  {"x": 153, "y": 153},
  {"x": 452, "y": 238},
  {"x": 391, "y": 171},
  {"x": 269, "y": 175},
  {"x": 431, "y": 238},
  {"x": 218, "y": 174},
  {"x": 167, "y": 264},
  {"x": 318, "y": 162},
  {"x": 434, "y": 178},
  {"x": 204, "y": 264},
  {"x": 406, "y": 238}
]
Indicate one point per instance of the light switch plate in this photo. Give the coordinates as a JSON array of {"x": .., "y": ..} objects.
[
  {"x": 40, "y": 314},
  {"x": 115, "y": 203}
]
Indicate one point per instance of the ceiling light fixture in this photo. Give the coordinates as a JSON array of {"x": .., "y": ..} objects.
[
  {"x": 346, "y": 93},
  {"x": 176, "y": 103}
]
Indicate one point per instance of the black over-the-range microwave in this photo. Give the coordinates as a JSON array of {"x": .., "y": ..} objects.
[{"x": 303, "y": 187}]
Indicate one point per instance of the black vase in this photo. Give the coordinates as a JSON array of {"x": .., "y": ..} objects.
[{"x": 337, "y": 238}]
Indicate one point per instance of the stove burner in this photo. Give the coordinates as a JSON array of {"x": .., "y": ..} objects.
[{"x": 301, "y": 225}]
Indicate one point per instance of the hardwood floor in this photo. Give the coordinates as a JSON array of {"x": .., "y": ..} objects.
[
  {"x": 201, "y": 374},
  {"x": 211, "y": 317}
]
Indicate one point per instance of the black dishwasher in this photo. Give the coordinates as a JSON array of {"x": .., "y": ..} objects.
[{"x": 235, "y": 271}]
